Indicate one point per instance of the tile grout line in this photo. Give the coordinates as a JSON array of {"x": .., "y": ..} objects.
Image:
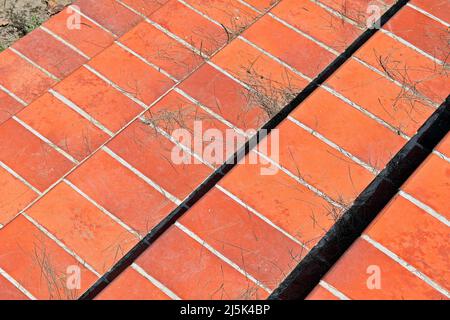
[
  {"x": 155, "y": 282},
  {"x": 429, "y": 15},
  {"x": 16, "y": 284},
  {"x": 335, "y": 292},
  {"x": 13, "y": 95},
  {"x": 19, "y": 177},
  {"x": 64, "y": 42},
  {"x": 34, "y": 64}
]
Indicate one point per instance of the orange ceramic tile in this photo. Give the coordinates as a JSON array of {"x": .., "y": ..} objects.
[
  {"x": 130, "y": 285},
  {"x": 349, "y": 128},
  {"x": 151, "y": 154},
  {"x": 262, "y": 4},
  {"x": 63, "y": 126},
  {"x": 282, "y": 200},
  {"x": 444, "y": 146},
  {"x": 354, "y": 274},
  {"x": 110, "y": 14},
  {"x": 39, "y": 264},
  {"x": 415, "y": 236},
  {"x": 8, "y": 107},
  {"x": 318, "y": 23},
  {"x": 30, "y": 157},
  {"x": 320, "y": 293},
  {"x": 14, "y": 196},
  {"x": 101, "y": 101},
  {"x": 381, "y": 97},
  {"x": 407, "y": 66},
  {"x": 225, "y": 97},
  {"x": 81, "y": 33},
  {"x": 145, "y": 7},
  {"x": 425, "y": 33},
  {"x": 131, "y": 74},
  {"x": 254, "y": 245},
  {"x": 162, "y": 50},
  {"x": 49, "y": 53},
  {"x": 22, "y": 78},
  {"x": 9, "y": 292},
  {"x": 265, "y": 75},
  {"x": 320, "y": 165},
  {"x": 438, "y": 8},
  {"x": 289, "y": 46},
  {"x": 82, "y": 227},
  {"x": 431, "y": 184},
  {"x": 121, "y": 192},
  {"x": 184, "y": 22},
  {"x": 192, "y": 272}
]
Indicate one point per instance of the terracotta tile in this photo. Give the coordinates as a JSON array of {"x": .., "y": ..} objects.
[
  {"x": 130, "y": 285},
  {"x": 121, "y": 192},
  {"x": 63, "y": 126},
  {"x": 349, "y": 128},
  {"x": 444, "y": 146},
  {"x": 82, "y": 227},
  {"x": 415, "y": 236},
  {"x": 161, "y": 50},
  {"x": 406, "y": 66},
  {"x": 431, "y": 184},
  {"x": 355, "y": 270},
  {"x": 193, "y": 272},
  {"x": 22, "y": 78},
  {"x": 110, "y": 14},
  {"x": 49, "y": 53},
  {"x": 318, "y": 23},
  {"x": 190, "y": 26},
  {"x": 265, "y": 75},
  {"x": 9, "y": 292},
  {"x": 425, "y": 33},
  {"x": 320, "y": 165},
  {"x": 38, "y": 263},
  {"x": 439, "y": 8},
  {"x": 382, "y": 98},
  {"x": 146, "y": 7},
  {"x": 131, "y": 74},
  {"x": 289, "y": 46},
  {"x": 282, "y": 200},
  {"x": 258, "y": 248},
  {"x": 320, "y": 293},
  {"x": 8, "y": 107},
  {"x": 30, "y": 157},
  {"x": 262, "y": 4},
  {"x": 225, "y": 97},
  {"x": 101, "y": 101},
  {"x": 87, "y": 36},
  {"x": 14, "y": 196}
]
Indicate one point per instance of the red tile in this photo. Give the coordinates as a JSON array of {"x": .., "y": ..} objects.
[
  {"x": 49, "y": 53},
  {"x": 9, "y": 292},
  {"x": 254, "y": 245},
  {"x": 192, "y": 272},
  {"x": 130, "y": 285},
  {"x": 30, "y": 157},
  {"x": 151, "y": 154},
  {"x": 438, "y": 8},
  {"x": 444, "y": 146},
  {"x": 121, "y": 192},
  {"x": 38, "y": 263},
  {"x": 359, "y": 265},
  {"x": 320, "y": 293},
  {"x": 431, "y": 184},
  {"x": 131, "y": 74},
  {"x": 146, "y": 7},
  {"x": 318, "y": 23},
  {"x": 320, "y": 165},
  {"x": 415, "y": 236},
  {"x": 8, "y": 107},
  {"x": 14, "y": 196},
  {"x": 162, "y": 50},
  {"x": 425, "y": 33},
  {"x": 110, "y": 14},
  {"x": 262, "y": 4},
  {"x": 82, "y": 227},
  {"x": 289, "y": 46},
  {"x": 382, "y": 98},
  {"x": 407, "y": 66},
  {"x": 349, "y": 128},
  {"x": 191, "y": 27},
  {"x": 22, "y": 78},
  {"x": 225, "y": 97},
  {"x": 85, "y": 36},
  {"x": 282, "y": 200},
  {"x": 101, "y": 101},
  {"x": 63, "y": 126}
]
